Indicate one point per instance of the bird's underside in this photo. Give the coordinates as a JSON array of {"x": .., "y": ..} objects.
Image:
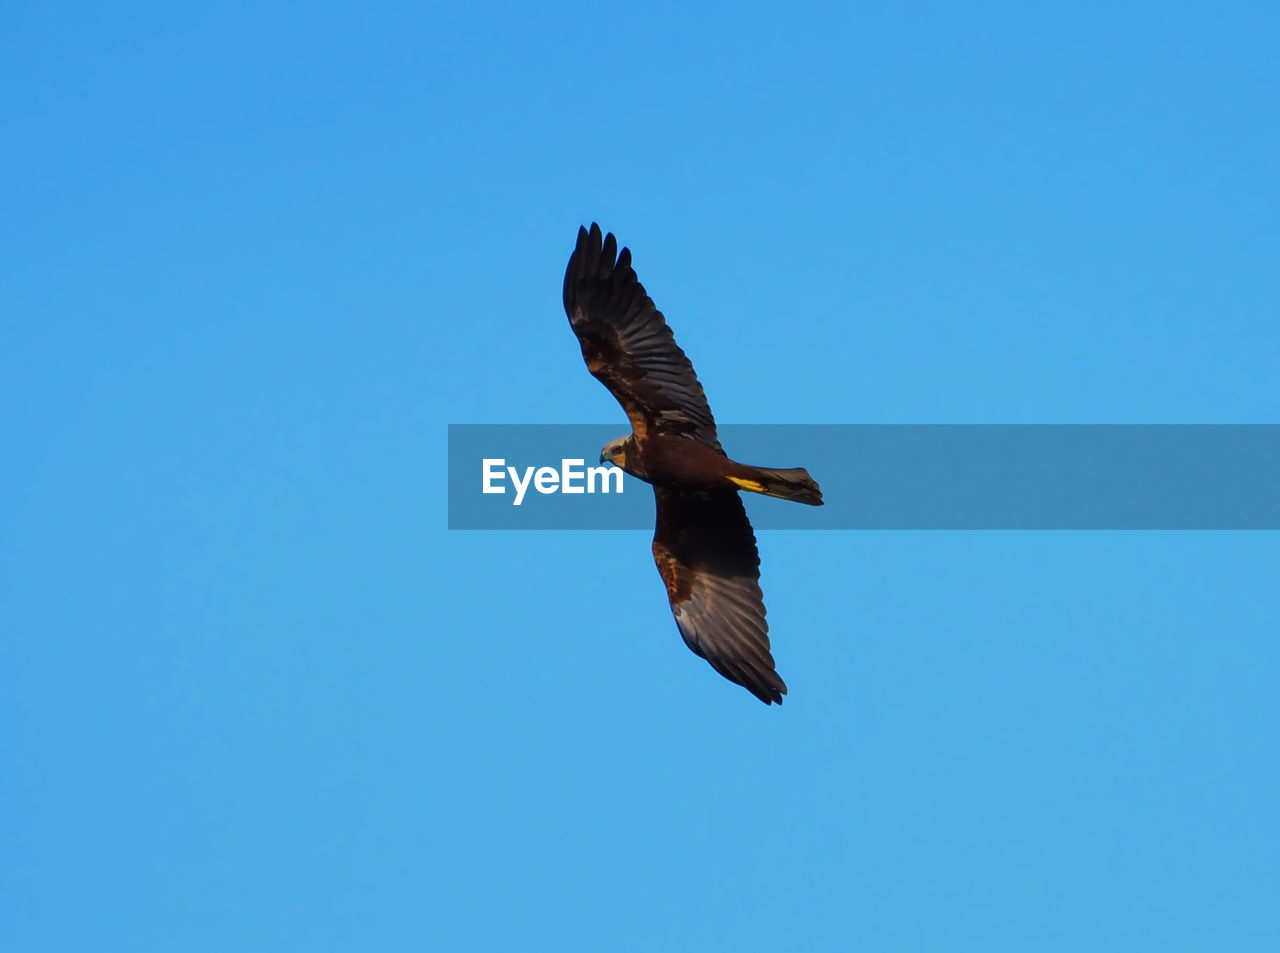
[{"x": 703, "y": 543}]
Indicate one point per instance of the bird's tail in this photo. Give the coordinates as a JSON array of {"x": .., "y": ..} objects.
[{"x": 794, "y": 484}]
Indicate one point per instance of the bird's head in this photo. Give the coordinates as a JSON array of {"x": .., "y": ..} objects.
[{"x": 615, "y": 452}]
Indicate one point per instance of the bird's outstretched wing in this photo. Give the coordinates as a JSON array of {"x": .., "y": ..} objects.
[
  {"x": 627, "y": 344},
  {"x": 706, "y": 553}
]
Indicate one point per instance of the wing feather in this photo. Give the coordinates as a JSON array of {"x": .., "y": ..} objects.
[
  {"x": 706, "y": 554},
  {"x": 627, "y": 344}
]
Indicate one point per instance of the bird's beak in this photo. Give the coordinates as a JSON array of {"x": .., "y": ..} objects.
[{"x": 603, "y": 458}]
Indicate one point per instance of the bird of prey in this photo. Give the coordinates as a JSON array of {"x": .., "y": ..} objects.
[{"x": 703, "y": 543}]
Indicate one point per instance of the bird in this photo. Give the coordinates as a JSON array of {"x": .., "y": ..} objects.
[{"x": 703, "y": 543}]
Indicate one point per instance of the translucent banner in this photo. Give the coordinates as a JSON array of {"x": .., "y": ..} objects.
[{"x": 955, "y": 477}]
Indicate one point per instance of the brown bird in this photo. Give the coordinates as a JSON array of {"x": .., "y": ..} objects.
[{"x": 703, "y": 543}]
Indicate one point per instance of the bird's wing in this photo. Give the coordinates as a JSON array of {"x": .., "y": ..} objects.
[
  {"x": 627, "y": 344},
  {"x": 706, "y": 553}
]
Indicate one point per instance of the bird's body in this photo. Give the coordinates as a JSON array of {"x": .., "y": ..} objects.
[
  {"x": 703, "y": 544},
  {"x": 684, "y": 462}
]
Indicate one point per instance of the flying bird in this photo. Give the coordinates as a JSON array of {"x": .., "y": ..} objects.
[{"x": 703, "y": 544}]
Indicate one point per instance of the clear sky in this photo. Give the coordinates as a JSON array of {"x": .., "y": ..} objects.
[{"x": 256, "y": 257}]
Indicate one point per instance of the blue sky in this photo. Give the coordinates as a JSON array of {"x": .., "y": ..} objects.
[{"x": 257, "y": 697}]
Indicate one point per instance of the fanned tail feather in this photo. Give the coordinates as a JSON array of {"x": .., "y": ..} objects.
[{"x": 793, "y": 484}]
